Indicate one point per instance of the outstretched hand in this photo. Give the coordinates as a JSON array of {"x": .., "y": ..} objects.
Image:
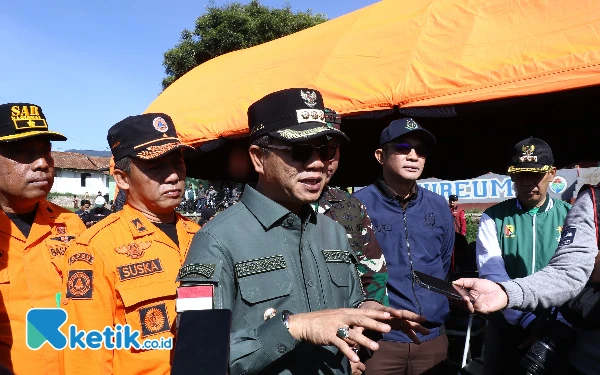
[
  {"x": 401, "y": 320},
  {"x": 485, "y": 296}
]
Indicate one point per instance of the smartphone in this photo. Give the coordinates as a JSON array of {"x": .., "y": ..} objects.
[{"x": 438, "y": 285}]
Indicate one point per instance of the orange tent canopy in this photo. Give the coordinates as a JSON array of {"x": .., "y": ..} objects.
[{"x": 406, "y": 53}]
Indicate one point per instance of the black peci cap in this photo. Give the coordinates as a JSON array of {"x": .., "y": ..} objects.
[
  {"x": 453, "y": 198},
  {"x": 399, "y": 128},
  {"x": 531, "y": 155},
  {"x": 24, "y": 120},
  {"x": 292, "y": 115},
  {"x": 148, "y": 136}
]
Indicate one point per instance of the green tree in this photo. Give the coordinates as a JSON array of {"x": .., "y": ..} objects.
[{"x": 229, "y": 28}]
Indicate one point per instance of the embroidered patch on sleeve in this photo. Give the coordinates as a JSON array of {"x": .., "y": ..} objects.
[
  {"x": 260, "y": 265},
  {"x": 154, "y": 319},
  {"x": 134, "y": 270},
  {"x": 568, "y": 236},
  {"x": 196, "y": 297},
  {"x": 84, "y": 257},
  {"x": 337, "y": 256},
  {"x": 200, "y": 269},
  {"x": 79, "y": 284}
]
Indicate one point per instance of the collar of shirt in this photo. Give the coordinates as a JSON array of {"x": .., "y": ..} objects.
[
  {"x": 391, "y": 194},
  {"x": 269, "y": 212},
  {"x": 548, "y": 204}
]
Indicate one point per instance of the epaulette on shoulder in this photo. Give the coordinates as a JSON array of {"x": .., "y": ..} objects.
[{"x": 91, "y": 232}]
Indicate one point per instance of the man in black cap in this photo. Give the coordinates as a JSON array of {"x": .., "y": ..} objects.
[
  {"x": 34, "y": 234},
  {"x": 415, "y": 230},
  {"x": 516, "y": 238},
  {"x": 286, "y": 272},
  {"x": 122, "y": 270}
]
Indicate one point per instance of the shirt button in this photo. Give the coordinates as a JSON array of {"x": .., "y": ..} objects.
[
  {"x": 281, "y": 348},
  {"x": 290, "y": 220},
  {"x": 310, "y": 283}
]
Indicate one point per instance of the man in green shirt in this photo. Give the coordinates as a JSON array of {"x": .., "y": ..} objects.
[
  {"x": 516, "y": 238},
  {"x": 286, "y": 272}
]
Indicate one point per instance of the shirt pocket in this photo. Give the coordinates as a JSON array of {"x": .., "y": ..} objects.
[
  {"x": 340, "y": 272},
  {"x": 149, "y": 308},
  {"x": 265, "y": 294}
]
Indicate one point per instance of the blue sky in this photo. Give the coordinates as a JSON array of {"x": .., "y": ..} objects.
[{"x": 90, "y": 64}]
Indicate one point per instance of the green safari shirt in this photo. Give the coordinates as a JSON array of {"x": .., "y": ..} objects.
[{"x": 265, "y": 257}]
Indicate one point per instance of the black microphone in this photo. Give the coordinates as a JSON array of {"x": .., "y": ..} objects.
[{"x": 202, "y": 345}]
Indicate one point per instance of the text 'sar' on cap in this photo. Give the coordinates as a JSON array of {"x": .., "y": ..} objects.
[
  {"x": 148, "y": 136},
  {"x": 24, "y": 120},
  {"x": 402, "y": 127},
  {"x": 292, "y": 115}
]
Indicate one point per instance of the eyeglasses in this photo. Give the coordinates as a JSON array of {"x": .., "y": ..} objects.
[
  {"x": 406, "y": 148},
  {"x": 303, "y": 152}
]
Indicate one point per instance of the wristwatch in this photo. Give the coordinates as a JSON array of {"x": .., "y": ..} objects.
[{"x": 285, "y": 318}]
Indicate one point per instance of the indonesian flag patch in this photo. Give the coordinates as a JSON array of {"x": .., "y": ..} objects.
[{"x": 197, "y": 297}]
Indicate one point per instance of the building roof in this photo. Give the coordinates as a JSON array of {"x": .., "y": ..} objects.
[{"x": 73, "y": 160}]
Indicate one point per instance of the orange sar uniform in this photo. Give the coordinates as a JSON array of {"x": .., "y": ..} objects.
[
  {"x": 30, "y": 276},
  {"x": 123, "y": 271}
]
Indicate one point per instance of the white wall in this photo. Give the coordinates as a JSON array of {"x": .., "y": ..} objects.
[{"x": 69, "y": 181}]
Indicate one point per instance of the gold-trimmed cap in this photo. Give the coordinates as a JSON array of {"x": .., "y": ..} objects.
[
  {"x": 531, "y": 155},
  {"x": 24, "y": 120},
  {"x": 148, "y": 136}
]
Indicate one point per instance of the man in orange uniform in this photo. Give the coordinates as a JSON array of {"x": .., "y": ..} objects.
[
  {"x": 34, "y": 234},
  {"x": 122, "y": 271}
]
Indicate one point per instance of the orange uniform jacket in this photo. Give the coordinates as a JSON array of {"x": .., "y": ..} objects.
[
  {"x": 123, "y": 271},
  {"x": 30, "y": 276}
]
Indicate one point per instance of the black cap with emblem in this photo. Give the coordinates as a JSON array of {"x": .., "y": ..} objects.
[
  {"x": 292, "y": 115},
  {"x": 24, "y": 120},
  {"x": 148, "y": 136},
  {"x": 401, "y": 127},
  {"x": 531, "y": 155}
]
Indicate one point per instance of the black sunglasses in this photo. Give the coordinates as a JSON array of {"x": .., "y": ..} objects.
[
  {"x": 406, "y": 148},
  {"x": 303, "y": 152}
]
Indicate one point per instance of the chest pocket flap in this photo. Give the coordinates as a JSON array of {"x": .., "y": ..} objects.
[
  {"x": 133, "y": 294},
  {"x": 263, "y": 279},
  {"x": 338, "y": 264}
]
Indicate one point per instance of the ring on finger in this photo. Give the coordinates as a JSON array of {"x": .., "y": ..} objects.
[{"x": 343, "y": 332}]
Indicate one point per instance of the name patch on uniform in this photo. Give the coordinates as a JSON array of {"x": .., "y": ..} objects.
[
  {"x": 200, "y": 269},
  {"x": 84, "y": 257},
  {"x": 154, "y": 319},
  {"x": 337, "y": 256},
  {"x": 57, "y": 250},
  {"x": 145, "y": 268},
  {"x": 568, "y": 236},
  {"x": 79, "y": 284},
  {"x": 134, "y": 250},
  {"x": 260, "y": 265}
]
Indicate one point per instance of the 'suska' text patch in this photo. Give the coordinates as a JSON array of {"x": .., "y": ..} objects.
[{"x": 135, "y": 270}]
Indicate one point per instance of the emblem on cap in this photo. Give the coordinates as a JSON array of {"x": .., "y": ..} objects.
[
  {"x": 411, "y": 125},
  {"x": 27, "y": 116},
  {"x": 309, "y": 97},
  {"x": 528, "y": 154},
  {"x": 160, "y": 124}
]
